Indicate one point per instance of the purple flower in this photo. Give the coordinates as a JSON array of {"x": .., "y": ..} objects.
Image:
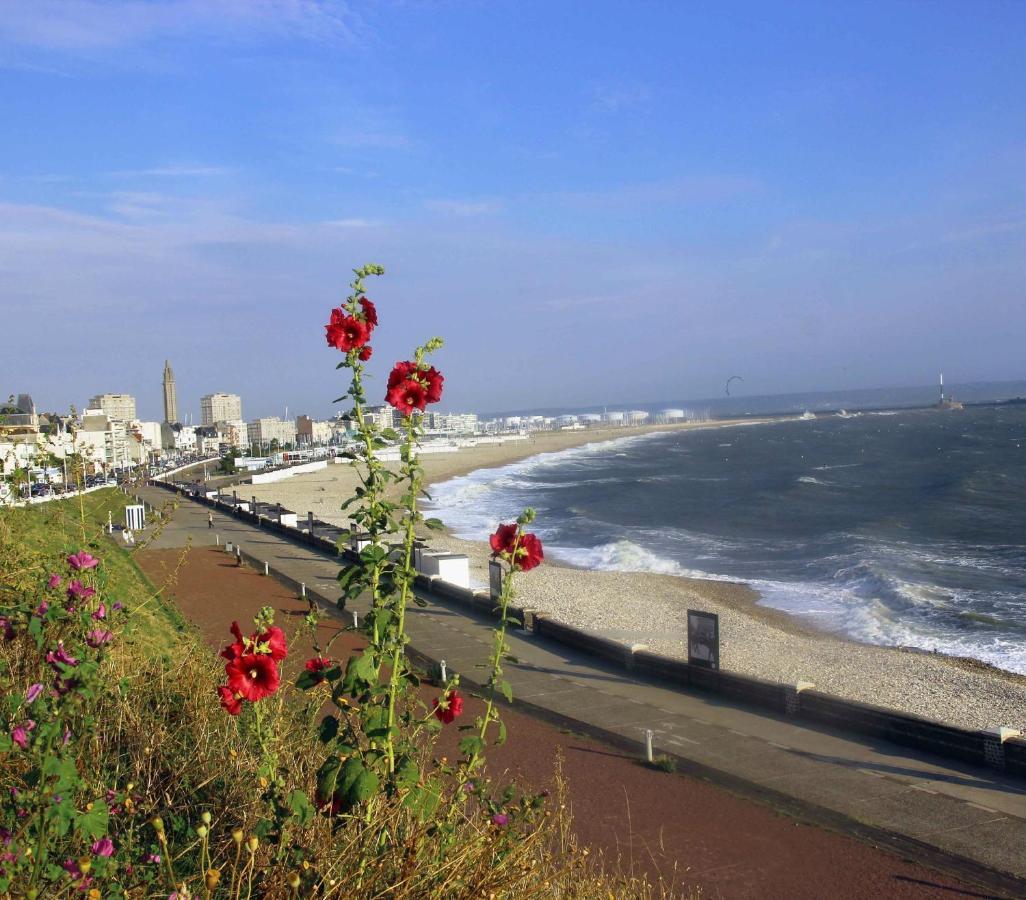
[
  {"x": 67, "y": 736},
  {"x": 103, "y": 847},
  {"x": 77, "y": 590},
  {"x": 54, "y": 581},
  {"x": 117, "y": 606},
  {"x": 6, "y": 628},
  {"x": 71, "y": 867},
  {"x": 33, "y": 692},
  {"x": 54, "y": 657},
  {"x": 98, "y": 637},
  {"x": 500, "y": 819},
  {"x": 20, "y": 733},
  {"x": 153, "y": 858},
  {"x": 82, "y": 560},
  {"x": 101, "y": 612},
  {"x": 41, "y": 609}
]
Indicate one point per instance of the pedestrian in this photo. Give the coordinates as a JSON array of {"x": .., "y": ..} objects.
[{"x": 210, "y": 520}]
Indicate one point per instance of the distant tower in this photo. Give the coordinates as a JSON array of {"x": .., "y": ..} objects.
[
  {"x": 942, "y": 387},
  {"x": 170, "y": 394}
]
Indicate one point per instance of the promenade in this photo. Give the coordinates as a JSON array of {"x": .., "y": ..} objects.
[{"x": 967, "y": 820}]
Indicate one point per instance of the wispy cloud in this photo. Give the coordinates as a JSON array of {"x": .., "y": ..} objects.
[
  {"x": 174, "y": 171},
  {"x": 619, "y": 97},
  {"x": 463, "y": 208},
  {"x": 87, "y": 25},
  {"x": 372, "y": 139}
]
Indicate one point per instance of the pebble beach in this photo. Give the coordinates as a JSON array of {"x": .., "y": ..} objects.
[{"x": 650, "y": 609}]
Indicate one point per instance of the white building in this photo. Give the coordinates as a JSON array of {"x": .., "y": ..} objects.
[
  {"x": 637, "y": 417},
  {"x": 613, "y": 418},
  {"x": 120, "y": 407},
  {"x": 672, "y": 415},
  {"x": 455, "y": 423},
  {"x": 219, "y": 407},
  {"x": 271, "y": 428}
]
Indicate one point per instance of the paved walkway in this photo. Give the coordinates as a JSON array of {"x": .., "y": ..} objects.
[{"x": 960, "y": 818}]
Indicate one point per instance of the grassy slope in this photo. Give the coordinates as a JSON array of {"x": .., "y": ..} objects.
[{"x": 43, "y": 535}]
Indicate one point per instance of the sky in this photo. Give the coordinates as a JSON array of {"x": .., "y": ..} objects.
[{"x": 592, "y": 202}]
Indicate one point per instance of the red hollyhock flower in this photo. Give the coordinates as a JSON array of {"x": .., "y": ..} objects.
[
  {"x": 529, "y": 552},
  {"x": 316, "y": 667},
  {"x": 335, "y": 803},
  {"x": 407, "y": 396},
  {"x": 400, "y": 372},
  {"x": 230, "y": 701},
  {"x": 433, "y": 379},
  {"x": 370, "y": 314},
  {"x": 453, "y": 707},
  {"x": 346, "y": 332},
  {"x": 253, "y": 675},
  {"x": 237, "y": 648},
  {"x": 503, "y": 540},
  {"x": 274, "y": 638},
  {"x": 365, "y": 352}
]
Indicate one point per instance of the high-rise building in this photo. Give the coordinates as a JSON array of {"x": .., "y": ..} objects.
[
  {"x": 170, "y": 394},
  {"x": 216, "y": 408},
  {"x": 271, "y": 428},
  {"x": 119, "y": 407}
]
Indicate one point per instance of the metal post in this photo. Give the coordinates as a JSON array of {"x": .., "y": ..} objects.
[
  {"x": 309, "y": 522},
  {"x": 302, "y": 589},
  {"x": 265, "y": 569},
  {"x": 356, "y": 620},
  {"x": 238, "y": 554},
  {"x": 648, "y": 745},
  {"x": 441, "y": 665}
]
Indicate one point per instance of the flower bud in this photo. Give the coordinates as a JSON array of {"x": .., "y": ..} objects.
[
  {"x": 130, "y": 785},
  {"x": 206, "y": 818},
  {"x": 84, "y": 864},
  {"x": 211, "y": 878},
  {"x": 253, "y": 843},
  {"x": 202, "y": 831},
  {"x": 158, "y": 825},
  {"x": 237, "y": 835},
  {"x": 31, "y": 894},
  {"x": 294, "y": 880}
]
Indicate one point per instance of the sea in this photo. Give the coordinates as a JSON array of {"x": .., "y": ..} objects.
[{"x": 893, "y": 527}]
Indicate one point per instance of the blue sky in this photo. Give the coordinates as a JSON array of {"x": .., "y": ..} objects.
[{"x": 593, "y": 202}]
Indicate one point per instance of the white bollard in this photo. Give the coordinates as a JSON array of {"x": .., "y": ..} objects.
[
  {"x": 217, "y": 540},
  {"x": 441, "y": 665},
  {"x": 302, "y": 589},
  {"x": 356, "y": 620},
  {"x": 648, "y": 745},
  {"x": 266, "y": 572}
]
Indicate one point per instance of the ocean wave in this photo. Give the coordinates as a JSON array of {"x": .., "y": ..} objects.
[{"x": 809, "y": 479}]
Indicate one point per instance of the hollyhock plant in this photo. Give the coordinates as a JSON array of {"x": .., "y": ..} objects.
[
  {"x": 317, "y": 667},
  {"x": 79, "y": 591},
  {"x": 509, "y": 541},
  {"x": 413, "y": 385},
  {"x": 60, "y": 656},
  {"x": 20, "y": 733},
  {"x": 33, "y": 692},
  {"x": 449, "y": 707},
  {"x": 82, "y": 560},
  {"x": 230, "y": 701},
  {"x": 253, "y": 675},
  {"x": 103, "y": 847},
  {"x": 346, "y": 333},
  {"x": 98, "y": 637},
  {"x": 54, "y": 581}
]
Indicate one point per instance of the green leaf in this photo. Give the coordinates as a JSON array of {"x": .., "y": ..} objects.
[
  {"x": 423, "y": 800},
  {"x": 327, "y": 729},
  {"x": 501, "y": 738},
  {"x": 434, "y": 524},
  {"x": 307, "y": 680},
  {"x": 507, "y": 690},
  {"x": 407, "y": 774},
  {"x": 301, "y": 808},
  {"x": 471, "y": 744},
  {"x": 92, "y": 824}
]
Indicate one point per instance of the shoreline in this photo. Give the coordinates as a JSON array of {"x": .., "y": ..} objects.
[{"x": 650, "y": 609}]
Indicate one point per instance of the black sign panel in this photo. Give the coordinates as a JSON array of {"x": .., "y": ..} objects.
[{"x": 703, "y": 639}]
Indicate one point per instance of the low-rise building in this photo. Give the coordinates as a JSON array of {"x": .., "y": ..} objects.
[
  {"x": 119, "y": 407},
  {"x": 271, "y": 428}
]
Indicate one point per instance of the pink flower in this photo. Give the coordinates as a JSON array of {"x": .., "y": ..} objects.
[
  {"x": 101, "y": 612},
  {"x": 41, "y": 609},
  {"x": 6, "y": 629},
  {"x": 103, "y": 847},
  {"x": 82, "y": 560},
  {"x": 60, "y": 655},
  {"x": 77, "y": 590},
  {"x": 500, "y": 819},
  {"x": 33, "y": 692},
  {"x": 54, "y": 581},
  {"x": 20, "y": 733},
  {"x": 153, "y": 858},
  {"x": 98, "y": 637}
]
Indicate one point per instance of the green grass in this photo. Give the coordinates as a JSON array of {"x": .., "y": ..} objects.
[{"x": 39, "y": 537}]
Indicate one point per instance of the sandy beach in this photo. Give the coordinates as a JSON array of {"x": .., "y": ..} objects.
[{"x": 650, "y": 609}]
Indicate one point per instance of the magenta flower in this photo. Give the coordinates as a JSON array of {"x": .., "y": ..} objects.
[
  {"x": 33, "y": 692},
  {"x": 500, "y": 819},
  {"x": 20, "y": 733},
  {"x": 41, "y": 609},
  {"x": 98, "y": 637},
  {"x": 101, "y": 612},
  {"x": 153, "y": 858},
  {"x": 117, "y": 606},
  {"x": 103, "y": 847},
  {"x": 78, "y": 590},
  {"x": 82, "y": 560},
  {"x": 60, "y": 655},
  {"x": 6, "y": 628},
  {"x": 54, "y": 581}
]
